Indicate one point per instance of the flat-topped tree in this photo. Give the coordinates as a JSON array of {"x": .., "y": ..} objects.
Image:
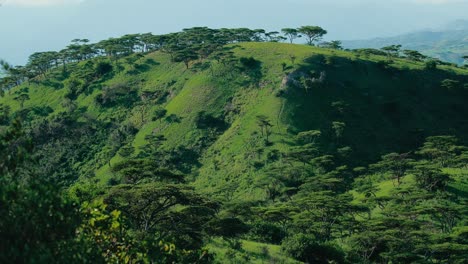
[
  {"x": 243, "y": 34},
  {"x": 22, "y": 96},
  {"x": 79, "y": 50},
  {"x": 112, "y": 47},
  {"x": 334, "y": 44},
  {"x": 312, "y": 33},
  {"x": 392, "y": 50},
  {"x": 131, "y": 43},
  {"x": 291, "y": 34},
  {"x": 395, "y": 164},
  {"x": 151, "y": 208},
  {"x": 186, "y": 56},
  {"x": 41, "y": 62},
  {"x": 147, "y": 42},
  {"x": 258, "y": 35},
  {"x": 441, "y": 150},
  {"x": 414, "y": 55},
  {"x": 273, "y": 36}
]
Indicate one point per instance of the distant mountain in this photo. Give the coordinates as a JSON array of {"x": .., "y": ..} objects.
[
  {"x": 448, "y": 43},
  {"x": 459, "y": 24}
]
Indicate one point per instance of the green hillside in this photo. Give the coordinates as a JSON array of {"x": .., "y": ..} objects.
[{"x": 254, "y": 152}]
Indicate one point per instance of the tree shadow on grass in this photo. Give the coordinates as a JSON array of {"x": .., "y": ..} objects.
[{"x": 389, "y": 109}]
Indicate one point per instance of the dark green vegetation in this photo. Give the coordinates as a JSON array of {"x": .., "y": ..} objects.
[
  {"x": 209, "y": 146},
  {"x": 448, "y": 44}
]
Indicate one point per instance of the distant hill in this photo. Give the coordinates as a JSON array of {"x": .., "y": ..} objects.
[{"x": 448, "y": 43}]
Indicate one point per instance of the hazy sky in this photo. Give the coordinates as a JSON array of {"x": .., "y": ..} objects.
[{"x": 27, "y": 26}]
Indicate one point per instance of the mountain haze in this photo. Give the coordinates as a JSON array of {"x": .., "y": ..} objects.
[{"x": 449, "y": 43}]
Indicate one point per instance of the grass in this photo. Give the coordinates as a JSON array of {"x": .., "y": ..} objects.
[
  {"x": 356, "y": 80},
  {"x": 388, "y": 109},
  {"x": 249, "y": 252}
]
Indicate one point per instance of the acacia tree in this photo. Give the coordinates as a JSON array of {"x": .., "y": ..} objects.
[
  {"x": 22, "y": 96},
  {"x": 41, "y": 62},
  {"x": 291, "y": 34},
  {"x": 322, "y": 213},
  {"x": 312, "y": 33},
  {"x": 396, "y": 164},
  {"x": 392, "y": 50},
  {"x": 307, "y": 137},
  {"x": 150, "y": 209},
  {"x": 80, "y": 50},
  {"x": 158, "y": 114},
  {"x": 441, "y": 150},
  {"x": 334, "y": 44},
  {"x": 274, "y": 36},
  {"x": 430, "y": 177},
  {"x": 186, "y": 56},
  {"x": 450, "y": 85},
  {"x": 338, "y": 128},
  {"x": 414, "y": 55}
]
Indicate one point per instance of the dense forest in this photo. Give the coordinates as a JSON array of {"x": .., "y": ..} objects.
[{"x": 228, "y": 146}]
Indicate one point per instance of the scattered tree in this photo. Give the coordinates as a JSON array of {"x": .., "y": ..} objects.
[
  {"x": 312, "y": 33},
  {"x": 291, "y": 34}
]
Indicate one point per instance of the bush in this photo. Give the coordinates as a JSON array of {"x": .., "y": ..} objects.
[
  {"x": 306, "y": 248},
  {"x": 267, "y": 232},
  {"x": 431, "y": 65},
  {"x": 117, "y": 94},
  {"x": 230, "y": 227},
  {"x": 74, "y": 88},
  {"x": 204, "y": 121},
  {"x": 112, "y": 182},
  {"x": 450, "y": 85},
  {"x": 103, "y": 68}
]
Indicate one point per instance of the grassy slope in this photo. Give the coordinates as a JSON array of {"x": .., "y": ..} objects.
[
  {"x": 249, "y": 252},
  {"x": 358, "y": 81}
]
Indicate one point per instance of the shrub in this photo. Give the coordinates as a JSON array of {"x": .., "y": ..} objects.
[
  {"x": 383, "y": 64},
  {"x": 306, "y": 248},
  {"x": 204, "y": 121},
  {"x": 450, "y": 85},
  {"x": 431, "y": 65},
  {"x": 103, "y": 68},
  {"x": 267, "y": 232}
]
